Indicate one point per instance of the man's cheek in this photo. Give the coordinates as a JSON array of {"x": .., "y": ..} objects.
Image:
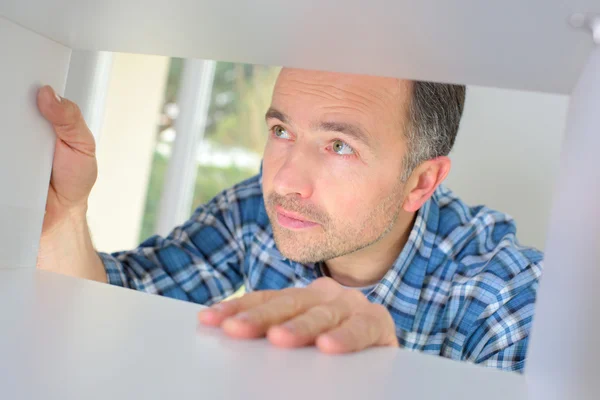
[
  {"x": 341, "y": 204},
  {"x": 267, "y": 174},
  {"x": 272, "y": 162}
]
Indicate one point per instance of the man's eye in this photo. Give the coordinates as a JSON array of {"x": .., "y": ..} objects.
[
  {"x": 280, "y": 132},
  {"x": 341, "y": 148}
]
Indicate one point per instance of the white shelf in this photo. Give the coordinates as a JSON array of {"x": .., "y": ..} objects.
[
  {"x": 523, "y": 44},
  {"x": 65, "y": 338}
]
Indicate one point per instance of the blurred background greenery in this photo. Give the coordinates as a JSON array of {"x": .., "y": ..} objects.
[{"x": 234, "y": 135}]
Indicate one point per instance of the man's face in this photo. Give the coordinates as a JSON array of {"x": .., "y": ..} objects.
[{"x": 333, "y": 162}]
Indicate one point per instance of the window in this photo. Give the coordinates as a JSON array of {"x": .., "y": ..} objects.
[{"x": 233, "y": 137}]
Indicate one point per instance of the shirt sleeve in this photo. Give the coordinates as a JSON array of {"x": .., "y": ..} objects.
[
  {"x": 200, "y": 261},
  {"x": 500, "y": 335}
]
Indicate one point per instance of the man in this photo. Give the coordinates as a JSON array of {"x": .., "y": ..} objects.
[{"x": 345, "y": 240}]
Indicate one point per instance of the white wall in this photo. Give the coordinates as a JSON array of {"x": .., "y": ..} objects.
[{"x": 507, "y": 153}]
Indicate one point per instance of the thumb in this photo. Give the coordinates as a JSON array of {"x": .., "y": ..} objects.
[{"x": 66, "y": 119}]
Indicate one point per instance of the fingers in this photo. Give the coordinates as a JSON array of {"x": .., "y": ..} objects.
[
  {"x": 256, "y": 321},
  {"x": 323, "y": 289},
  {"x": 304, "y": 329},
  {"x": 372, "y": 327},
  {"x": 336, "y": 319},
  {"x": 215, "y": 315},
  {"x": 66, "y": 119}
]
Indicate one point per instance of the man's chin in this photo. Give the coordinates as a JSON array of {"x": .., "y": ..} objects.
[
  {"x": 301, "y": 259},
  {"x": 294, "y": 250}
]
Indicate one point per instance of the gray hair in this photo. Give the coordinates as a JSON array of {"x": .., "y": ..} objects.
[{"x": 434, "y": 116}]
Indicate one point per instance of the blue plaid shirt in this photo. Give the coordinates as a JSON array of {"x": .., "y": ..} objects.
[{"x": 462, "y": 287}]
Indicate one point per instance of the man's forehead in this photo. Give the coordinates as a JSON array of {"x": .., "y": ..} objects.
[
  {"x": 314, "y": 96},
  {"x": 365, "y": 84}
]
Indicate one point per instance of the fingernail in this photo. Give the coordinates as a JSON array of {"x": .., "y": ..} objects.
[
  {"x": 217, "y": 307},
  {"x": 243, "y": 316},
  {"x": 330, "y": 337},
  {"x": 57, "y": 97},
  {"x": 290, "y": 327},
  {"x": 202, "y": 313}
]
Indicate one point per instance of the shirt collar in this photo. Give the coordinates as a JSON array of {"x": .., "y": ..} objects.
[{"x": 400, "y": 288}]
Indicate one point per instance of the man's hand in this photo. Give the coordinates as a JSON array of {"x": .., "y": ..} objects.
[
  {"x": 66, "y": 246},
  {"x": 74, "y": 168},
  {"x": 335, "y": 319}
]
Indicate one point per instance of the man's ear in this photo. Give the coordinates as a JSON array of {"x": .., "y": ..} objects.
[{"x": 423, "y": 181}]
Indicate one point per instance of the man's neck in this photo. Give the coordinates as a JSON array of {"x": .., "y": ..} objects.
[{"x": 368, "y": 266}]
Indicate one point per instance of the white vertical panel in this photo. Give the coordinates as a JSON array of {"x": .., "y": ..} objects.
[
  {"x": 564, "y": 350},
  {"x": 27, "y": 62}
]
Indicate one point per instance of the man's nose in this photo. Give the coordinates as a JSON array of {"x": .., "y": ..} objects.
[{"x": 295, "y": 175}]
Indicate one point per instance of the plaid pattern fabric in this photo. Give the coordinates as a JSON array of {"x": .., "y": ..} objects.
[{"x": 462, "y": 287}]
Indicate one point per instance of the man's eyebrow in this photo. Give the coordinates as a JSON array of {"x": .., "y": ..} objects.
[
  {"x": 275, "y": 113},
  {"x": 346, "y": 128},
  {"x": 328, "y": 126}
]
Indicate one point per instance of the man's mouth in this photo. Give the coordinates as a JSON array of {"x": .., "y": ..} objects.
[{"x": 293, "y": 221}]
